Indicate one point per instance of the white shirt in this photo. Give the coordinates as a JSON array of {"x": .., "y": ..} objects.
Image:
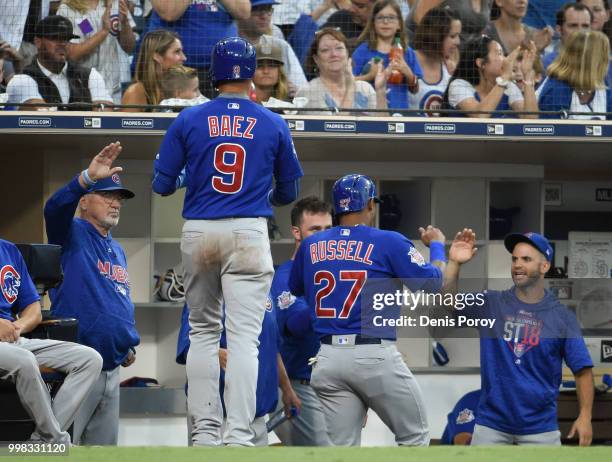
[
  {"x": 108, "y": 58},
  {"x": 430, "y": 95},
  {"x": 597, "y": 104},
  {"x": 289, "y": 11},
  {"x": 23, "y": 88},
  {"x": 459, "y": 90},
  {"x": 13, "y": 16}
]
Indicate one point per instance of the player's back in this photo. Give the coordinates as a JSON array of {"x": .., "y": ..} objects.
[
  {"x": 333, "y": 267},
  {"x": 233, "y": 149}
]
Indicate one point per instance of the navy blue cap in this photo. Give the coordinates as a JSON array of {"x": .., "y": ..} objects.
[
  {"x": 534, "y": 239},
  {"x": 112, "y": 183}
]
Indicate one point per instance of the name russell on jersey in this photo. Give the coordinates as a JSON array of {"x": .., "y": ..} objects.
[{"x": 347, "y": 250}]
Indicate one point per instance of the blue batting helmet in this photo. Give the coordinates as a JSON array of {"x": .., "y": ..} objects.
[
  {"x": 233, "y": 58},
  {"x": 351, "y": 193}
]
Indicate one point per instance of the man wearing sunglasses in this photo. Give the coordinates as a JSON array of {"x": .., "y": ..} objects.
[{"x": 96, "y": 286}]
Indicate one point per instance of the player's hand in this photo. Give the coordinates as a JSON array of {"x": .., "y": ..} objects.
[
  {"x": 101, "y": 166},
  {"x": 223, "y": 358},
  {"x": 8, "y": 331},
  {"x": 431, "y": 233},
  {"x": 290, "y": 399},
  {"x": 582, "y": 426},
  {"x": 463, "y": 247},
  {"x": 129, "y": 360}
]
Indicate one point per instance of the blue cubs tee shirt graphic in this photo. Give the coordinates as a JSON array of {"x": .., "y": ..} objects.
[{"x": 16, "y": 286}]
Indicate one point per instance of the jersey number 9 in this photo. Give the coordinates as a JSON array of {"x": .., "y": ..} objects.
[{"x": 235, "y": 168}]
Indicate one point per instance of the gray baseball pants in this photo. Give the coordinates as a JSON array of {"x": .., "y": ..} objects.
[
  {"x": 486, "y": 436},
  {"x": 227, "y": 261},
  {"x": 97, "y": 422},
  {"x": 349, "y": 379},
  {"x": 309, "y": 427},
  {"x": 20, "y": 361}
]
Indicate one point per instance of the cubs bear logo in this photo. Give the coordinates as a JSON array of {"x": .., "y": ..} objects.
[
  {"x": 236, "y": 72},
  {"x": 10, "y": 281},
  {"x": 344, "y": 203},
  {"x": 115, "y": 178}
]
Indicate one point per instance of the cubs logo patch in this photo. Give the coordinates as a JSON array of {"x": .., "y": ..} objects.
[
  {"x": 268, "y": 304},
  {"x": 115, "y": 178},
  {"x": 344, "y": 203},
  {"x": 465, "y": 416},
  {"x": 285, "y": 300},
  {"x": 416, "y": 257},
  {"x": 10, "y": 281},
  {"x": 236, "y": 72}
]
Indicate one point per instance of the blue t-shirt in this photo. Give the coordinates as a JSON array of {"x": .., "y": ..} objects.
[
  {"x": 462, "y": 418},
  {"x": 521, "y": 361},
  {"x": 267, "y": 376},
  {"x": 397, "y": 94},
  {"x": 96, "y": 285},
  {"x": 201, "y": 26},
  {"x": 542, "y": 13},
  {"x": 296, "y": 348},
  {"x": 18, "y": 290},
  {"x": 232, "y": 150},
  {"x": 339, "y": 270}
]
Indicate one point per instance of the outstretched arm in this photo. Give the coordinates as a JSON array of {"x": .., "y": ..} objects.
[
  {"x": 584, "y": 391},
  {"x": 462, "y": 250}
]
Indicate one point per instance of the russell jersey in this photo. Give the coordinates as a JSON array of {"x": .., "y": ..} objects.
[{"x": 339, "y": 270}]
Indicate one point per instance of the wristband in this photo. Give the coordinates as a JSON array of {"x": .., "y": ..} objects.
[
  {"x": 437, "y": 252},
  {"x": 87, "y": 179}
]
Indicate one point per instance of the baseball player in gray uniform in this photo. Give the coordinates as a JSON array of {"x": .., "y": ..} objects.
[
  {"x": 239, "y": 160},
  {"x": 20, "y": 357},
  {"x": 357, "y": 370}
]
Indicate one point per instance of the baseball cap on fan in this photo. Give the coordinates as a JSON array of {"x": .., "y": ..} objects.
[
  {"x": 112, "y": 183},
  {"x": 55, "y": 28},
  {"x": 534, "y": 239},
  {"x": 267, "y": 50}
]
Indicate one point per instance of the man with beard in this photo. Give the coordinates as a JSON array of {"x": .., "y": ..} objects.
[
  {"x": 96, "y": 286},
  {"x": 521, "y": 360},
  {"x": 51, "y": 79}
]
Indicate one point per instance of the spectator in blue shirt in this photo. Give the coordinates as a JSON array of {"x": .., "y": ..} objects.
[{"x": 377, "y": 41}]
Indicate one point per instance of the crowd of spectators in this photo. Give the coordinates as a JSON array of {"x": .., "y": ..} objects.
[{"x": 474, "y": 58}]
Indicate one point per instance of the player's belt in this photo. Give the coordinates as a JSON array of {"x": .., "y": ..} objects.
[{"x": 350, "y": 339}]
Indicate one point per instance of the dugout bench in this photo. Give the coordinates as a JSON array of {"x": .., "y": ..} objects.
[{"x": 43, "y": 263}]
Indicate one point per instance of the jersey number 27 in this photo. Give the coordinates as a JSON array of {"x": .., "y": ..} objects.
[
  {"x": 229, "y": 160},
  {"x": 328, "y": 281}
]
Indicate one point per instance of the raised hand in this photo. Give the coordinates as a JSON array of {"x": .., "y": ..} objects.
[
  {"x": 431, "y": 233},
  {"x": 463, "y": 248},
  {"x": 101, "y": 166}
]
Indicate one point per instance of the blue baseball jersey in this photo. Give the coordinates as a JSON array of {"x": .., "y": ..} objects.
[
  {"x": 203, "y": 24},
  {"x": 18, "y": 290},
  {"x": 231, "y": 149},
  {"x": 267, "y": 376},
  {"x": 295, "y": 348},
  {"x": 331, "y": 269},
  {"x": 521, "y": 361},
  {"x": 462, "y": 418},
  {"x": 96, "y": 285}
]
